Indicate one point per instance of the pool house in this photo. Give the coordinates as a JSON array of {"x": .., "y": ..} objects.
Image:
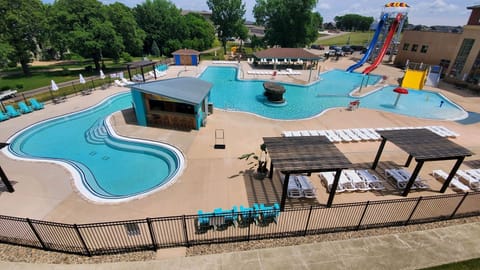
[{"x": 179, "y": 103}]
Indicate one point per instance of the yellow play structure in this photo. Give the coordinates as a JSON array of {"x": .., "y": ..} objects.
[{"x": 415, "y": 76}]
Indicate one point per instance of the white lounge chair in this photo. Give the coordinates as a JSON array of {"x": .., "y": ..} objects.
[
  {"x": 400, "y": 181},
  {"x": 419, "y": 183},
  {"x": 472, "y": 181},
  {"x": 361, "y": 134},
  {"x": 119, "y": 83},
  {"x": 307, "y": 187},
  {"x": 357, "y": 182},
  {"x": 454, "y": 184},
  {"x": 313, "y": 133},
  {"x": 352, "y": 135},
  {"x": 372, "y": 180},
  {"x": 344, "y": 136},
  {"x": 332, "y": 136},
  {"x": 327, "y": 179},
  {"x": 287, "y": 134},
  {"x": 293, "y": 189},
  {"x": 304, "y": 133}
]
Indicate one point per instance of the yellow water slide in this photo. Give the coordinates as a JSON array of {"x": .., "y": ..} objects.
[{"x": 415, "y": 79}]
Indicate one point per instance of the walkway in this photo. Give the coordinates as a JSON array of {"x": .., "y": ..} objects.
[{"x": 413, "y": 250}]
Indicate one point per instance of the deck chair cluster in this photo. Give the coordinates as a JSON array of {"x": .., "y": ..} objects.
[
  {"x": 362, "y": 134},
  {"x": 221, "y": 219},
  {"x": 300, "y": 186},
  {"x": 400, "y": 176},
  {"x": 352, "y": 180},
  {"x": 23, "y": 108}
]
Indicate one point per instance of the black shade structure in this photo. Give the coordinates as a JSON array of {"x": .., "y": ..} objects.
[
  {"x": 141, "y": 65},
  {"x": 423, "y": 145},
  {"x": 293, "y": 155},
  {"x": 3, "y": 176}
]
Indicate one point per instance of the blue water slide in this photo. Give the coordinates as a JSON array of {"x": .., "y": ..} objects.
[{"x": 371, "y": 46}]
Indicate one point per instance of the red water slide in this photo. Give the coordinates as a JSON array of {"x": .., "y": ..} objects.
[{"x": 386, "y": 44}]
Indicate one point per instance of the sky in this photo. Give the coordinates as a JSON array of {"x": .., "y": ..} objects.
[{"x": 426, "y": 12}]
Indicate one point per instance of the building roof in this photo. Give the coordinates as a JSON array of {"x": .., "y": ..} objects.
[
  {"x": 186, "y": 89},
  {"x": 186, "y": 52},
  {"x": 473, "y": 7},
  {"x": 287, "y": 53}
]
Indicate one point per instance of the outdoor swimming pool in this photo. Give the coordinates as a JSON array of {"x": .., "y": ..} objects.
[
  {"x": 332, "y": 91},
  {"x": 107, "y": 167}
]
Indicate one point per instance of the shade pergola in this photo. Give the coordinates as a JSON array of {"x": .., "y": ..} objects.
[
  {"x": 141, "y": 64},
  {"x": 305, "y": 155},
  {"x": 423, "y": 145},
  {"x": 3, "y": 176}
]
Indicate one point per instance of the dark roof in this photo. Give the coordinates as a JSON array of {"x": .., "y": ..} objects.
[
  {"x": 424, "y": 145},
  {"x": 185, "y": 52},
  {"x": 186, "y": 89},
  {"x": 305, "y": 154},
  {"x": 141, "y": 63},
  {"x": 473, "y": 7},
  {"x": 287, "y": 53}
]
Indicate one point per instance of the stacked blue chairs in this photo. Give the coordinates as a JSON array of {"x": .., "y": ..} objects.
[
  {"x": 3, "y": 116},
  {"x": 24, "y": 108},
  {"x": 266, "y": 214},
  {"x": 11, "y": 111},
  {"x": 246, "y": 216},
  {"x": 203, "y": 222},
  {"x": 35, "y": 104}
]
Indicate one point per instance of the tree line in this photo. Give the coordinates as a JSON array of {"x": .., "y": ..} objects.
[{"x": 96, "y": 31}]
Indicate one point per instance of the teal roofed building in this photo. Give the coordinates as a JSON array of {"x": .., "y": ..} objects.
[{"x": 179, "y": 103}]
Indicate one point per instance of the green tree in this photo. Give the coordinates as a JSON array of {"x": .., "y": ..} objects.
[
  {"x": 353, "y": 22},
  {"x": 22, "y": 23},
  {"x": 162, "y": 22},
  {"x": 200, "y": 33},
  {"x": 126, "y": 26},
  {"x": 83, "y": 26},
  {"x": 228, "y": 17},
  {"x": 288, "y": 23}
]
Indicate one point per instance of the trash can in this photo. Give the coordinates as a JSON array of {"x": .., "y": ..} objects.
[{"x": 210, "y": 108}]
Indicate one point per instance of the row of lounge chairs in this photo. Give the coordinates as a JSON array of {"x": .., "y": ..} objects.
[
  {"x": 122, "y": 82},
  {"x": 352, "y": 180},
  {"x": 287, "y": 71},
  {"x": 464, "y": 180},
  {"x": 224, "y": 62},
  {"x": 23, "y": 108},
  {"x": 401, "y": 176},
  {"x": 220, "y": 218},
  {"x": 362, "y": 134},
  {"x": 300, "y": 186}
]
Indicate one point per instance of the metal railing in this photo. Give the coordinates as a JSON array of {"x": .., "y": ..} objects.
[{"x": 165, "y": 232}]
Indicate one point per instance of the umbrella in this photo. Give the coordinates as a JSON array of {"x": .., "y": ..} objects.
[
  {"x": 82, "y": 80},
  {"x": 102, "y": 75},
  {"x": 53, "y": 86},
  {"x": 400, "y": 91}
]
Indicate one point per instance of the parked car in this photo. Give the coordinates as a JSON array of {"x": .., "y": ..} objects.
[
  {"x": 317, "y": 47},
  {"x": 347, "y": 50},
  {"x": 357, "y": 48}
]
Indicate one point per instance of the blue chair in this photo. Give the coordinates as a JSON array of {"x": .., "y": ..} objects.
[
  {"x": 35, "y": 104},
  {"x": 246, "y": 216},
  {"x": 12, "y": 112},
  {"x": 203, "y": 222},
  {"x": 3, "y": 116},
  {"x": 24, "y": 108}
]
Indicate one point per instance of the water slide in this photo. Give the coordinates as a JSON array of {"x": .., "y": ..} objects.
[
  {"x": 414, "y": 79},
  {"x": 386, "y": 44},
  {"x": 371, "y": 47}
]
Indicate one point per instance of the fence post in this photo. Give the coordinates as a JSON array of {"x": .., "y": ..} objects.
[
  {"x": 185, "y": 232},
  {"x": 82, "y": 240},
  {"x": 36, "y": 234},
  {"x": 459, "y": 204},
  {"x": 363, "y": 214},
  {"x": 249, "y": 225},
  {"x": 308, "y": 221},
  {"x": 152, "y": 233},
  {"x": 413, "y": 211}
]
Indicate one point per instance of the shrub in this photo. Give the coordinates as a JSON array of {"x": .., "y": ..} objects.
[{"x": 126, "y": 57}]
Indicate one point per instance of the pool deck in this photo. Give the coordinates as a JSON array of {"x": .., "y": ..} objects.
[{"x": 214, "y": 177}]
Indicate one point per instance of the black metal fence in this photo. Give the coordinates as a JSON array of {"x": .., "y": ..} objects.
[{"x": 164, "y": 232}]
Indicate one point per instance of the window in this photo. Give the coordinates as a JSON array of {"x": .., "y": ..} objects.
[
  {"x": 414, "y": 47},
  {"x": 406, "y": 46},
  {"x": 424, "y": 49}
]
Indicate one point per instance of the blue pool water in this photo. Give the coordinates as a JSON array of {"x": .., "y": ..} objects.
[
  {"x": 333, "y": 90},
  {"x": 111, "y": 168}
]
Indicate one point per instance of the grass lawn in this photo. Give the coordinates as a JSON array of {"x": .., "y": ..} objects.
[
  {"x": 356, "y": 38},
  {"x": 465, "y": 265}
]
